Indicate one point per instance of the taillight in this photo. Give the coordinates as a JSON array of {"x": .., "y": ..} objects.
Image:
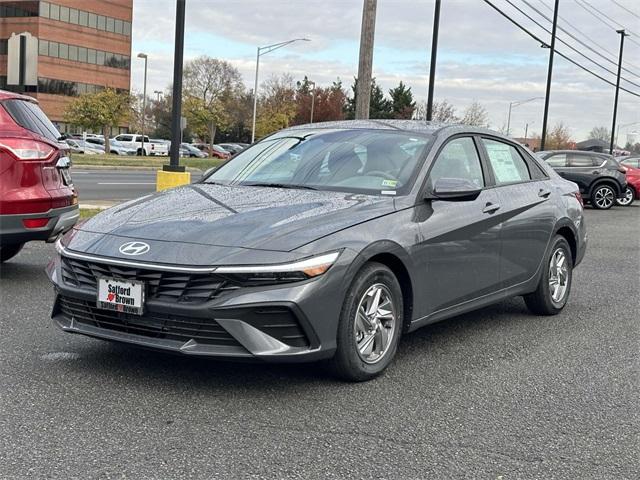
[
  {"x": 579, "y": 197},
  {"x": 35, "y": 222},
  {"x": 26, "y": 149}
]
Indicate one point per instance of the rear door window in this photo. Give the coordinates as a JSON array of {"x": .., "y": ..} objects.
[
  {"x": 583, "y": 161},
  {"x": 29, "y": 116},
  {"x": 506, "y": 162}
]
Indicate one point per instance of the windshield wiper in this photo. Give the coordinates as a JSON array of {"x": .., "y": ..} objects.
[{"x": 279, "y": 185}]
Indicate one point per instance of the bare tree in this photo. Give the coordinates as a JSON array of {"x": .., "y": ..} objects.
[
  {"x": 443, "y": 112},
  {"x": 600, "y": 133},
  {"x": 476, "y": 115}
]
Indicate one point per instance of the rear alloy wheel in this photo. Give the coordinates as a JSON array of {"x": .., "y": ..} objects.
[
  {"x": 370, "y": 324},
  {"x": 603, "y": 197},
  {"x": 627, "y": 198},
  {"x": 554, "y": 286},
  {"x": 7, "y": 252}
]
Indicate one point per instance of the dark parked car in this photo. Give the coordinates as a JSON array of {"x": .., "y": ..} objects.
[
  {"x": 37, "y": 198},
  {"x": 600, "y": 178},
  {"x": 232, "y": 148},
  {"x": 326, "y": 241}
]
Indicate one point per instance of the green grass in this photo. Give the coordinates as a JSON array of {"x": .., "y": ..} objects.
[
  {"x": 86, "y": 213},
  {"x": 80, "y": 160}
]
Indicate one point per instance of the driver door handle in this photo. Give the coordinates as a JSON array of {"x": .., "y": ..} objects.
[
  {"x": 490, "y": 208},
  {"x": 544, "y": 193}
]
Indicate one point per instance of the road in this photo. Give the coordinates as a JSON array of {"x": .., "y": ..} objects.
[
  {"x": 114, "y": 185},
  {"x": 493, "y": 394}
]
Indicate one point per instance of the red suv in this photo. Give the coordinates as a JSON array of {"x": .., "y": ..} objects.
[{"x": 37, "y": 198}]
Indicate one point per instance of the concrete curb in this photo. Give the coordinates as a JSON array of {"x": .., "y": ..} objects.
[
  {"x": 125, "y": 168},
  {"x": 98, "y": 205}
]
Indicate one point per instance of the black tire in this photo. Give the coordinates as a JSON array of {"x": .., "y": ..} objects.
[
  {"x": 7, "y": 252},
  {"x": 541, "y": 302},
  {"x": 347, "y": 362},
  {"x": 603, "y": 197},
  {"x": 629, "y": 196}
]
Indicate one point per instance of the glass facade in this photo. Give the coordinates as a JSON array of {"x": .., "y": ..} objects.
[
  {"x": 79, "y": 17},
  {"x": 82, "y": 54}
]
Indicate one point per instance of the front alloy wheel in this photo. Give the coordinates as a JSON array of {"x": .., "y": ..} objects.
[
  {"x": 627, "y": 199},
  {"x": 370, "y": 324},
  {"x": 603, "y": 197},
  {"x": 375, "y": 323}
]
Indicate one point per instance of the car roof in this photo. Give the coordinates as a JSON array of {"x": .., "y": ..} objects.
[
  {"x": 581, "y": 152},
  {"x": 6, "y": 95},
  {"x": 417, "y": 126}
]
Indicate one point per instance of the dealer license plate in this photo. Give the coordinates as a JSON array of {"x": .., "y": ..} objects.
[{"x": 125, "y": 296}]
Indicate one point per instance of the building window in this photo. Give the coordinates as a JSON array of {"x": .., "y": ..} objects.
[
  {"x": 19, "y": 9},
  {"x": 66, "y": 14},
  {"x": 78, "y": 54}
]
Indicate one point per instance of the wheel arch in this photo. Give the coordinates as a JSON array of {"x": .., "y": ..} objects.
[
  {"x": 605, "y": 181},
  {"x": 394, "y": 257},
  {"x": 565, "y": 229}
]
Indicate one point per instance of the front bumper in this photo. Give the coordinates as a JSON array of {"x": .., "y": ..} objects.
[
  {"x": 295, "y": 322},
  {"x": 61, "y": 220}
]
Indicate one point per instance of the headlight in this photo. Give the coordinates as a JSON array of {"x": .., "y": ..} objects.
[{"x": 310, "y": 267}]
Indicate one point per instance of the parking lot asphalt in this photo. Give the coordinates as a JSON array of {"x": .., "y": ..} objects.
[
  {"x": 497, "y": 393},
  {"x": 113, "y": 186}
]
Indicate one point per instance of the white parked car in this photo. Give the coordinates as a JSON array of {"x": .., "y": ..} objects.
[{"x": 134, "y": 141}]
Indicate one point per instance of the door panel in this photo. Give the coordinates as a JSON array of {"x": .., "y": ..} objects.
[
  {"x": 528, "y": 219},
  {"x": 460, "y": 250},
  {"x": 460, "y": 239}
]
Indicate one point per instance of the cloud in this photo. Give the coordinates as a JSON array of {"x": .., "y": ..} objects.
[{"x": 481, "y": 55}]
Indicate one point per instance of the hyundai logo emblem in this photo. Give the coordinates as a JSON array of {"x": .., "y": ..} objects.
[{"x": 134, "y": 248}]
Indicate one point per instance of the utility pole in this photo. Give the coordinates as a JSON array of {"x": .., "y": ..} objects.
[
  {"x": 176, "y": 111},
  {"x": 313, "y": 100},
  {"x": 552, "y": 50},
  {"x": 434, "y": 53},
  {"x": 615, "y": 102},
  {"x": 365, "y": 65}
]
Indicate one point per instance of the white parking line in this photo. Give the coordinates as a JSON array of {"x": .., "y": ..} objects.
[{"x": 126, "y": 183}]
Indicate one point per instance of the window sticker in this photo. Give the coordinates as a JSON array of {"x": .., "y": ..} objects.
[{"x": 389, "y": 183}]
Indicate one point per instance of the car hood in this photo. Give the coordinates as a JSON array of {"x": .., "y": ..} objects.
[{"x": 238, "y": 216}]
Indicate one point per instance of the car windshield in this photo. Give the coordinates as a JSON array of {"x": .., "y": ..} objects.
[{"x": 358, "y": 161}]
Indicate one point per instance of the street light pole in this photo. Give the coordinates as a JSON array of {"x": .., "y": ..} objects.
[
  {"x": 176, "y": 108},
  {"x": 552, "y": 50},
  {"x": 264, "y": 51},
  {"x": 517, "y": 104},
  {"x": 313, "y": 100},
  {"x": 158, "y": 93},
  {"x": 144, "y": 97},
  {"x": 615, "y": 102},
  {"x": 434, "y": 52}
]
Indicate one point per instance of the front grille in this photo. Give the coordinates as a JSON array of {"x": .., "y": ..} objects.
[
  {"x": 152, "y": 325},
  {"x": 171, "y": 286}
]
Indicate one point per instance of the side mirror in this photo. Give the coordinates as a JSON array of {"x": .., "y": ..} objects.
[{"x": 454, "y": 189}]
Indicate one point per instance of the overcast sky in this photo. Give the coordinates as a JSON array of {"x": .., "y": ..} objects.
[{"x": 481, "y": 55}]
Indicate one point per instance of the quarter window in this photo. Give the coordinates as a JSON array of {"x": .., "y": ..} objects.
[
  {"x": 458, "y": 159},
  {"x": 507, "y": 163}
]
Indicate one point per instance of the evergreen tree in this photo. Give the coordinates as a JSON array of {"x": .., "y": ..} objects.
[
  {"x": 379, "y": 107},
  {"x": 402, "y": 104}
]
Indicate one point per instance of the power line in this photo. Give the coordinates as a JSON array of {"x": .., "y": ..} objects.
[
  {"x": 626, "y": 9},
  {"x": 561, "y": 40},
  {"x": 615, "y": 22},
  {"x": 592, "y": 10},
  {"x": 539, "y": 40},
  {"x": 582, "y": 42}
]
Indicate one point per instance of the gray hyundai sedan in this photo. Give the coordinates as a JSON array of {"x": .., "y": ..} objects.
[{"x": 326, "y": 242}]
